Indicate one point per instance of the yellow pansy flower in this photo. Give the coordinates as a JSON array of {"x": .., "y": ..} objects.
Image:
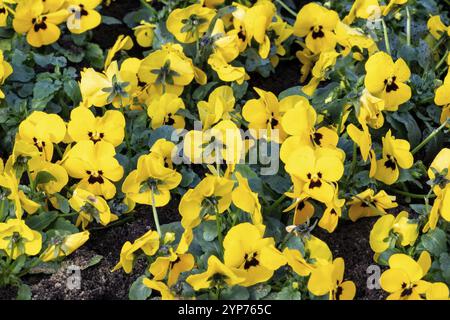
[
  {"x": 211, "y": 193},
  {"x": 148, "y": 243},
  {"x": 318, "y": 25},
  {"x": 5, "y": 71},
  {"x": 360, "y": 208},
  {"x": 349, "y": 37},
  {"x": 441, "y": 208},
  {"x": 332, "y": 213},
  {"x": 437, "y": 27},
  {"x": 226, "y": 71},
  {"x": 168, "y": 69},
  {"x": 144, "y": 34},
  {"x": 190, "y": 23},
  {"x": 96, "y": 166},
  {"x": 307, "y": 60},
  {"x": 122, "y": 43},
  {"x": 391, "y": 4},
  {"x": 218, "y": 107},
  {"x": 328, "y": 279},
  {"x": 442, "y": 98},
  {"x": 172, "y": 265},
  {"x": 245, "y": 199},
  {"x": 83, "y": 17},
  {"x": 163, "y": 111},
  {"x": 16, "y": 239},
  {"x": 440, "y": 163},
  {"x": 225, "y": 43},
  {"x": 63, "y": 246},
  {"x": 437, "y": 291},
  {"x": 36, "y": 165},
  {"x": 161, "y": 287},
  {"x": 388, "y": 83},
  {"x": 396, "y": 154},
  {"x": 41, "y": 29},
  {"x": 5, "y": 10},
  {"x": 380, "y": 235},
  {"x": 363, "y": 9},
  {"x": 83, "y": 125},
  {"x": 371, "y": 111},
  {"x": 89, "y": 208},
  {"x": 325, "y": 62},
  {"x": 362, "y": 138},
  {"x": 404, "y": 278},
  {"x": 249, "y": 255},
  {"x": 164, "y": 149},
  {"x": 152, "y": 181},
  {"x": 318, "y": 169},
  {"x": 215, "y": 274},
  {"x": 42, "y": 130}
]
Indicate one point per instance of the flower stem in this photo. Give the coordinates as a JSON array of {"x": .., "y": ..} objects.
[
  {"x": 386, "y": 37},
  {"x": 408, "y": 27},
  {"x": 411, "y": 195},
  {"x": 219, "y": 230},
  {"x": 440, "y": 63},
  {"x": 155, "y": 213},
  {"x": 286, "y": 7},
  {"x": 430, "y": 137}
]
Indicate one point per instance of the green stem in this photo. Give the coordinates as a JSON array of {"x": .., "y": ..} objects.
[
  {"x": 354, "y": 160},
  {"x": 286, "y": 7},
  {"x": 408, "y": 27},
  {"x": 411, "y": 195},
  {"x": 155, "y": 213},
  {"x": 386, "y": 37},
  {"x": 114, "y": 224},
  {"x": 277, "y": 202},
  {"x": 219, "y": 230},
  {"x": 32, "y": 182},
  {"x": 427, "y": 200},
  {"x": 59, "y": 151},
  {"x": 441, "y": 62},
  {"x": 430, "y": 137}
]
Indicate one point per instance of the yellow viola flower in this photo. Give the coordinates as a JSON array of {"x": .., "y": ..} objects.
[
  {"x": 371, "y": 111},
  {"x": 441, "y": 208},
  {"x": 216, "y": 274},
  {"x": 100, "y": 89},
  {"x": 307, "y": 60},
  {"x": 391, "y": 4},
  {"x": 249, "y": 255},
  {"x": 172, "y": 265},
  {"x": 319, "y": 72},
  {"x": 396, "y": 154},
  {"x": 318, "y": 169},
  {"x": 225, "y": 43},
  {"x": 211, "y": 196},
  {"x": 41, "y": 29},
  {"x": 163, "y": 110},
  {"x": 362, "y": 138},
  {"x": 379, "y": 203},
  {"x": 440, "y": 164},
  {"x": 5, "y": 71},
  {"x": 168, "y": 69},
  {"x": 190, "y": 24},
  {"x": 437, "y": 27},
  {"x": 5, "y": 10},
  {"x": 380, "y": 235},
  {"x": 161, "y": 287},
  {"x": 403, "y": 279},
  {"x": 264, "y": 116},
  {"x": 318, "y": 25},
  {"x": 388, "y": 83},
  {"x": 223, "y": 142},
  {"x": 226, "y": 71},
  {"x": 96, "y": 166},
  {"x": 437, "y": 291},
  {"x": 145, "y": 34},
  {"x": 16, "y": 239},
  {"x": 349, "y": 38},
  {"x": 152, "y": 181},
  {"x": 362, "y": 9},
  {"x": 83, "y": 125},
  {"x": 148, "y": 243},
  {"x": 83, "y": 17},
  {"x": 21, "y": 202},
  {"x": 36, "y": 165},
  {"x": 245, "y": 199},
  {"x": 332, "y": 213},
  {"x": 89, "y": 208},
  {"x": 122, "y": 43},
  {"x": 218, "y": 107},
  {"x": 164, "y": 149},
  {"x": 328, "y": 279},
  {"x": 442, "y": 97},
  {"x": 64, "y": 246},
  {"x": 42, "y": 130},
  {"x": 282, "y": 31}
]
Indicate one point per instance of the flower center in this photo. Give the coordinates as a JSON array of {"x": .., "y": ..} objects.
[
  {"x": 250, "y": 260},
  {"x": 39, "y": 23},
  {"x": 390, "y": 162},
  {"x": 317, "y": 32},
  {"x": 95, "y": 177},
  {"x": 96, "y": 136},
  {"x": 315, "y": 181},
  {"x": 390, "y": 84}
]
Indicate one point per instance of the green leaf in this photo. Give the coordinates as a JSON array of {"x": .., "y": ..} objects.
[
  {"x": 139, "y": 291},
  {"x": 24, "y": 292},
  {"x": 209, "y": 231},
  {"x": 64, "y": 225},
  {"x": 63, "y": 203},
  {"x": 41, "y": 221},
  {"x": 235, "y": 293},
  {"x": 289, "y": 293},
  {"x": 435, "y": 242},
  {"x": 94, "y": 261},
  {"x": 202, "y": 91},
  {"x": 110, "y": 20},
  {"x": 44, "y": 177},
  {"x": 260, "y": 291},
  {"x": 72, "y": 89}
]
